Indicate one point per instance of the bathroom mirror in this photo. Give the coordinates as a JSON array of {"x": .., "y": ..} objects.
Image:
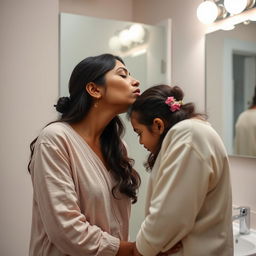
[
  {"x": 230, "y": 79},
  {"x": 146, "y": 54}
]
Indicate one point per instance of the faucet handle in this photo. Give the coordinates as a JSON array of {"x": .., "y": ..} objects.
[{"x": 244, "y": 210}]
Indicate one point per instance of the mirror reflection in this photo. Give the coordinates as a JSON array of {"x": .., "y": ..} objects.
[{"x": 230, "y": 87}]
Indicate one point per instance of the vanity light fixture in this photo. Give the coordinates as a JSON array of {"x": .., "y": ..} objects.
[
  {"x": 210, "y": 11},
  {"x": 228, "y": 27},
  {"x": 232, "y": 21},
  {"x": 128, "y": 38},
  {"x": 253, "y": 18}
]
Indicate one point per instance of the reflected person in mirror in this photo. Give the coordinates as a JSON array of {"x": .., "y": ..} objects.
[
  {"x": 83, "y": 180},
  {"x": 245, "y": 131},
  {"x": 189, "y": 197}
]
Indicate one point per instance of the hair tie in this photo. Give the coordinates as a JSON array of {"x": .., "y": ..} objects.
[
  {"x": 173, "y": 103},
  {"x": 63, "y": 104}
]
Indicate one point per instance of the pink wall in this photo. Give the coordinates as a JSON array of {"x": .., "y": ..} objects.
[
  {"x": 29, "y": 88},
  {"x": 110, "y": 9}
]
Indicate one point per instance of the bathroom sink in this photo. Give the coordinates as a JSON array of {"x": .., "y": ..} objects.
[{"x": 244, "y": 245}]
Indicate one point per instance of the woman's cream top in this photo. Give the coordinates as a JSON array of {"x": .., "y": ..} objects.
[
  {"x": 189, "y": 195},
  {"x": 74, "y": 211}
]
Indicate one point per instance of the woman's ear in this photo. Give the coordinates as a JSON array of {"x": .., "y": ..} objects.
[
  {"x": 93, "y": 90},
  {"x": 158, "y": 125}
]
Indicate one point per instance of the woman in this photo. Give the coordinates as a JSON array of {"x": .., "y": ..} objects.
[
  {"x": 82, "y": 178},
  {"x": 189, "y": 194}
]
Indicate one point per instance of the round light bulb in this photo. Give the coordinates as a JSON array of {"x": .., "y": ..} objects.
[
  {"x": 114, "y": 43},
  {"x": 137, "y": 33},
  {"x": 235, "y": 6},
  {"x": 125, "y": 38},
  {"x": 207, "y": 12}
]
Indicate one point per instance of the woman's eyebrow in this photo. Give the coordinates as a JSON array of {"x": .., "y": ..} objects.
[{"x": 124, "y": 69}]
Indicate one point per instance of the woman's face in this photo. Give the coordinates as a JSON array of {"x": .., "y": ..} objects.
[{"x": 121, "y": 89}]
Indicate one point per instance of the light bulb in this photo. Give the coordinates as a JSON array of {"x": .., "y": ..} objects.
[
  {"x": 137, "y": 33},
  {"x": 114, "y": 43},
  {"x": 207, "y": 12},
  {"x": 235, "y": 6},
  {"x": 125, "y": 37}
]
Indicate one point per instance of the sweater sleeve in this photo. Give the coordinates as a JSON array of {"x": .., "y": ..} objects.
[
  {"x": 58, "y": 204},
  {"x": 178, "y": 191}
]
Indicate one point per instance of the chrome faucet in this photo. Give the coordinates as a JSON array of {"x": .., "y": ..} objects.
[{"x": 244, "y": 219}]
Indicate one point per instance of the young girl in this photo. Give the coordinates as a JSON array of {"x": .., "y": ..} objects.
[{"x": 189, "y": 193}]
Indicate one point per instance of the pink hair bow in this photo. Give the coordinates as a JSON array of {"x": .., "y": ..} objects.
[{"x": 173, "y": 104}]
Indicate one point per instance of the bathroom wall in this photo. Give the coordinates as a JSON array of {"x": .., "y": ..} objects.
[
  {"x": 110, "y": 9},
  {"x": 29, "y": 88}
]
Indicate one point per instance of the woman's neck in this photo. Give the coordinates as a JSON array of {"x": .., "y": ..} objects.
[{"x": 92, "y": 126}]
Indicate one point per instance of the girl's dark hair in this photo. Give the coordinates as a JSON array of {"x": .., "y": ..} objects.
[
  {"x": 151, "y": 104},
  {"x": 75, "y": 108}
]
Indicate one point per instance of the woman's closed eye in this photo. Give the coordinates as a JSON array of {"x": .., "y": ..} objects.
[{"x": 139, "y": 134}]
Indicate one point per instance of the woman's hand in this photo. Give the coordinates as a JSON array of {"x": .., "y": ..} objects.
[
  {"x": 130, "y": 249},
  {"x": 125, "y": 249}
]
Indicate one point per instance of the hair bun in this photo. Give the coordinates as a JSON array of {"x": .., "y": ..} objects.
[
  {"x": 63, "y": 104},
  {"x": 177, "y": 93}
]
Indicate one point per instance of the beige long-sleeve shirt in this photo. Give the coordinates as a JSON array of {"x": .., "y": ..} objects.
[
  {"x": 245, "y": 133},
  {"x": 189, "y": 195},
  {"x": 74, "y": 212}
]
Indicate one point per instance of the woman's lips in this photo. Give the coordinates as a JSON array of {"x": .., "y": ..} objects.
[{"x": 137, "y": 92}]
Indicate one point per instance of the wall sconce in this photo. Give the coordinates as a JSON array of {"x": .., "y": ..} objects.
[
  {"x": 210, "y": 11},
  {"x": 128, "y": 38}
]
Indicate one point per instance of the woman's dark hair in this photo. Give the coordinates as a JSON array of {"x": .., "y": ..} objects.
[
  {"x": 75, "y": 108},
  {"x": 151, "y": 104}
]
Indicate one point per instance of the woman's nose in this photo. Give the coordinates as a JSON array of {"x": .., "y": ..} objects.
[{"x": 135, "y": 82}]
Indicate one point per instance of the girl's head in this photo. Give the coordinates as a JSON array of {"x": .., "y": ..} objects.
[
  {"x": 94, "y": 79},
  {"x": 155, "y": 112}
]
